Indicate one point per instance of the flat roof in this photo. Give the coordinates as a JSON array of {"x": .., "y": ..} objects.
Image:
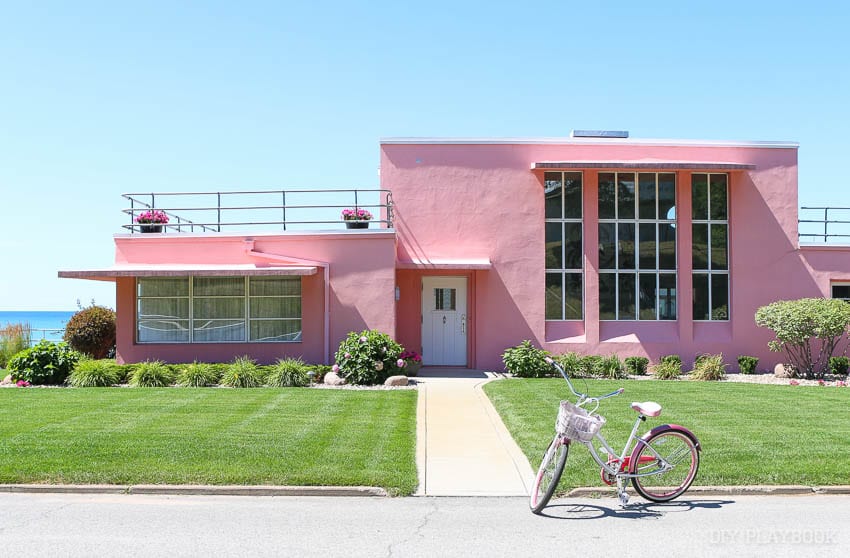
[
  {"x": 182, "y": 270},
  {"x": 588, "y": 141},
  {"x": 438, "y": 263},
  {"x": 654, "y": 165}
]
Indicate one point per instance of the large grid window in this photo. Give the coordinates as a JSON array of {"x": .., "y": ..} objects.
[
  {"x": 710, "y": 256},
  {"x": 637, "y": 246},
  {"x": 218, "y": 309},
  {"x": 564, "y": 256}
]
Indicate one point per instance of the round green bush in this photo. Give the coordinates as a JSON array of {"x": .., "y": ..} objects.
[
  {"x": 197, "y": 374},
  {"x": 368, "y": 357},
  {"x": 94, "y": 373},
  {"x": 242, "y": 373},
  {"x": 527, "y": 361},
  {"x": 151, "y": 373},
  {"x": 747, "y": 364},
  {"x": 636, "y": 366},
  {"x": 91, "y": 331},
  {"x": 46, "y": 363}
]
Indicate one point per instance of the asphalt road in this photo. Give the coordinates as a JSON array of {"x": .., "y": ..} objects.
[{"x": 133, "y": 525}]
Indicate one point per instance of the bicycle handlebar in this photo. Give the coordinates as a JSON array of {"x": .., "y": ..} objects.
[{"x": 581, "y": 396}]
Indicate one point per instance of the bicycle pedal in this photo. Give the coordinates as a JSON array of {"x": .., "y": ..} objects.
[{"x": 624, "y": 499}]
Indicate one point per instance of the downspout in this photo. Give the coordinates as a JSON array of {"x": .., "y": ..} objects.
[{"x": 249, "y": 250}]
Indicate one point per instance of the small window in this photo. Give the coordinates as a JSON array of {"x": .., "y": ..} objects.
[
  {"x": 841, "y": 291},
  {"x": 445, "y": 299}
]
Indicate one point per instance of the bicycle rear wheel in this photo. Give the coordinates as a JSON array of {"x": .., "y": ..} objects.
[
  {"x": 670, "y": 461},
  {"x": 549, "y": 474}
]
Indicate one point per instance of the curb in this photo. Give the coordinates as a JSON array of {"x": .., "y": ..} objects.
[
  {"x": 761, "y": 490},
  {"x": 194, "y": 490}
]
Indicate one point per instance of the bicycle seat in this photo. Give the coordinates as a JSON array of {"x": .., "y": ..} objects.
[{"x": 647, "y": 408}]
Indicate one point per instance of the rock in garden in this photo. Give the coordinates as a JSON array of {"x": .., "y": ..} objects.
[
  {"x": 396, "y": 381},
  {"x": 7, "y": 380},
  {"x": 782, "y": 371},
  {"x": 333, "y": 379}
]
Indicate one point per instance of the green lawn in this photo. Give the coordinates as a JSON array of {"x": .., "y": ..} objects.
[
  {"x": 750, "y": 434},
  {"x": 285, "y": 436}
]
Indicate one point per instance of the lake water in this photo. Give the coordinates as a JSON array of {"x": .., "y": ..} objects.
[{"x": 48, "y": 325}]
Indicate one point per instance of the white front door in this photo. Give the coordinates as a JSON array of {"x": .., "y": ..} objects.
[{"x": 444, "y": 321}]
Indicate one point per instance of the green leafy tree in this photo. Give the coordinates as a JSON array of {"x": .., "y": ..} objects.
[{"x": 807, "y": 331}]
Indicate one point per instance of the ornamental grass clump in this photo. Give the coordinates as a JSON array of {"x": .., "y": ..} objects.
[
  {"x": 242, "y": 373},
  {"x": 368, "y": 357},
  {"x": 669, "y": 369},
  {"x": 197, "y": 374},
  {"x": 95, "y": 373},
  {"x": 288, "y": 372},
  {"x": 151, "y": 373},
  {"x": 611, "y": 367},
  {"x": 14, "y": 338},
  {"x": 709, "y": 368},
  {"x": 572, "y": 364},
  {"x": 636, "y": 366}
]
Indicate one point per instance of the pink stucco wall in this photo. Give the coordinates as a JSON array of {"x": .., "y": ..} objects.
[
  {"x": 360, "y": 292},
  {"x": 483, "y": 201}
]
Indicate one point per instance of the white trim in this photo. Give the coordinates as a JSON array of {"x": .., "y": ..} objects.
[{"x": 588, "y": 141}]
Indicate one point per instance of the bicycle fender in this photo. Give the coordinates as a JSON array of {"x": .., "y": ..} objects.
[{"x": 658, "y": 429}]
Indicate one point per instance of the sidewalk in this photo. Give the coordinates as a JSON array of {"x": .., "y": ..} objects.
[{"x": 463, "y": 448}]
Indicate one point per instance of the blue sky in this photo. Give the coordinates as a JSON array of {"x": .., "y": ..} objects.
[{"x": 101, "y": 98}]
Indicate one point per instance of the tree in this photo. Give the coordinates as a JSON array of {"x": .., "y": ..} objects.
[
  {"x": 805, "y": 328},
  {"x": 91, "y": 331}
]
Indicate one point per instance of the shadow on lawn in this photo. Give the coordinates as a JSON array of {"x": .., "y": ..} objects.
[{"x": 644, "y": 510}]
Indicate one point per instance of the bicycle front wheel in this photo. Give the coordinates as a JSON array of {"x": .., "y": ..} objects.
[
  {"x": 549, "y": 474},
  {"x": 668, "y": 463}
]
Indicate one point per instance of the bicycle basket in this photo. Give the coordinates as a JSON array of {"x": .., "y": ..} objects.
[{"x": 577, "y": 424}]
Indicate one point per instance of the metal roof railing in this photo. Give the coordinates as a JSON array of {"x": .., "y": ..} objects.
[
  {"x": 258, "y": 210},
  {"x": 825, "y": 224}
]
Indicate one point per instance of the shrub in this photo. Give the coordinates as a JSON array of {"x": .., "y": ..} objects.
[
  {"x": 289, "y": 372},
  {"x": 91, "y": 331},
  {"x": 151, "y": 373},
  {"x": 839, "y": 365},
  {"x": 592, "y": 365},
  {"x": 747, "y": 364},
  {"x": 667, "y": 370},
  {"x": 197, "y": 374},
  {"x": 699, "y": 358},
  {"x": 572, "y": 364},
  {"x": 95, "y": 373},
  {"x": 368, "y": 357},
  {"x": 526, "y": 361},
  {"x": 242, "y": 373},
  {"x": 45, "y": 363},
  {"x": 710, "y": 367},
  {"x": 636, "y": 366},
  {"x": 675, "y": 359},
  {"x": 797, "y": 324},
  {"x": 14, "y": 338},
  {"x": 611, "y": 367}
]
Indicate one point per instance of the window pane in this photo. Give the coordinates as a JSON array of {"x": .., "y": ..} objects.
[
  {"x": 217, "y": 308},
  {"x": 720, "y": 296},
  {"x": 718, "y": 247},
  {"x": 275, "y": 286},
  {"x": 572, "y": 248},
  {"x": 445, "y": 299},
  {"x": 163, "y": 286},
  {"x": 666, "y": 246},
  {"x": 626, "y": 284},
  {"x": 606, "y": 195},
  {"x": 667, "y": 196},
  {"x": 700, "y": 246},
  {"x": 218, "y": 286},
  {"x": 163, "y": 331},
  {"x": 573, "y": 296},
  {"x": 554, "y": 296},
  {"x": 626, "y": 195},
  {"x": 646, "y": 193},
  {"x": 701, "y": 296},
  {"x": 554, "y": 244},
  {"x": 647, "y": 246},
  {"x": 667, "y": 296},
  {"x": 718, "y": 197},
  {"x": 647, "y": 296},
  {"x": 170, "y": 308},
  {"x": 207, "y": 331},
  {"x": 699, "y": 196},
  {"x": 276, "y": 307},
  {"x": 572, "y": 195},
  {"x": 607, "y": 296},
  {"x": 626, "y": 246},
  {"x": 841, "y": 291},
  {"x": 552, "y": 187},
  {"x": 276, "y": 330},
  {"x": 607, "y": 253}
]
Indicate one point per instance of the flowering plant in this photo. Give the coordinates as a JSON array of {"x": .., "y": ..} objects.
[
  {"x": 153, "y": 216},
  {"x": 358, "y": 214},
  {"x": 412, "y": 356},
  {"x": 368, "y": 357}
]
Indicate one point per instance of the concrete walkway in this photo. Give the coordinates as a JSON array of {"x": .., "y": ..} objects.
[{"x": 463, "y": 448}]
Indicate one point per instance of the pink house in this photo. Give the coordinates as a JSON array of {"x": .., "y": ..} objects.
[{"x": 591, "y": 244}]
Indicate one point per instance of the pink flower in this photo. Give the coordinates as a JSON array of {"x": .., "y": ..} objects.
[
  {"x": 793, "y": 383},
  {"x": 347, "y": 355},
  {"x": 841, "y": 383},
  {"x": 821, "y": 383},
  {"x": 363, "y": 339},
  {"x": 22, "y": 383},
  {"x": 335, "y": 368},
  {"x": 400, "y": 363}
]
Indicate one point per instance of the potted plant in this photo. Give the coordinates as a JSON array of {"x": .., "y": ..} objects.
[
  {"x": 412, "y": 362},
  {"x": 151, "y": 221},
  {"x": 356, "y": 218}
]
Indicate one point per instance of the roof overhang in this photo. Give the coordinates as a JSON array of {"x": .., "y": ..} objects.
[
  {"x": 458, "y": 264},
  {"x": 182, "y": 270},
  {"x": 641, "y": 165}
]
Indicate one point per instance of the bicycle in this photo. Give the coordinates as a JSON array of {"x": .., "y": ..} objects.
[{"x": 661, "y": 464}]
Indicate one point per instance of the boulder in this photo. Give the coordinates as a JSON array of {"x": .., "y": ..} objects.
[
  {"x": 783, "y": 371},
  {"x": 333, "y": 379},
  {"x": 7, "y": 380},
  {"x": 396, "y": 381}
]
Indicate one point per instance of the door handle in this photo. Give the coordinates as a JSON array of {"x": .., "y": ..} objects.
[
  {"x": 463, "y": 324},
  {"x": 444, "y": 320}
]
